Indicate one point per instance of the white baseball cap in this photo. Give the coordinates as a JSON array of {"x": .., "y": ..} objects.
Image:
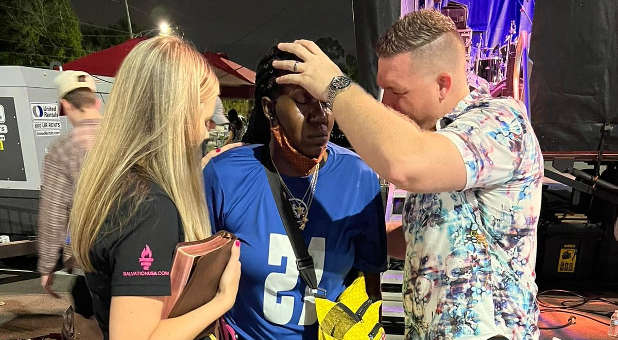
[
  {"x": 68, "y": 81},
  {"x": 218, "y": 116}
]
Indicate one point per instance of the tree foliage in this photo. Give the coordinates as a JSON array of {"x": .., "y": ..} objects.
[
  {"x": 333, "y": 49},
  {"x": 38, "y": 32},
  {"x": 242, "y": 106}
]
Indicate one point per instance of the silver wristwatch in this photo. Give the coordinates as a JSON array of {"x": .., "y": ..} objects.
[{"x": 336, "y": 86}]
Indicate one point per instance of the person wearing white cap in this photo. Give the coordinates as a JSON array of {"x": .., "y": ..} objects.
[
  {"x": 219, "y": 116},
  {"x": 77, "y": 96},
  {"x": 78, "y": 101}
]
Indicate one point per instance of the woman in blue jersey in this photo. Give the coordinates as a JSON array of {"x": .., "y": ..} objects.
[{"x": 344, "y": 220}]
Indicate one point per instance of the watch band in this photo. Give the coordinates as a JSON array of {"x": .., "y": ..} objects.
[{"x": 336, "y": 86}]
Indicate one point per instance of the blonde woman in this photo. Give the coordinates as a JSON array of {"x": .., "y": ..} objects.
[{"x": 140, "y": 193}]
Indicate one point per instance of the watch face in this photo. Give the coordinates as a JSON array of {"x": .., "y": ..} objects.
[{"x": 341, "y": 82}]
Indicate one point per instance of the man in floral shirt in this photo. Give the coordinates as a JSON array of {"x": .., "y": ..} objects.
[
  {"x": 474, "y": 167},
  {"x": 469, "y": 264}
]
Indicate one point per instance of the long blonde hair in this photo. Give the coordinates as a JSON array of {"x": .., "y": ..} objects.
[{"x": 149, "y": 132}]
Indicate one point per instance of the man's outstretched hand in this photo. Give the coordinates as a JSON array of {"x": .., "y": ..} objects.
[
  {"x": 47, "y": 280},
  {"x": 314, "y": 73}
]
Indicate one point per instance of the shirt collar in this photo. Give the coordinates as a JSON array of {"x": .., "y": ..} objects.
[
  {"x": 473, "y": 99},
  {"x": 84, "y": 122}
]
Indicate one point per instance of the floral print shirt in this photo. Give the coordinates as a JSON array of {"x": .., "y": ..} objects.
[{"x": 469, "y": 267}]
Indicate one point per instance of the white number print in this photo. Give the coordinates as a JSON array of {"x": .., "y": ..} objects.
[{"x": 281, "y": 312}]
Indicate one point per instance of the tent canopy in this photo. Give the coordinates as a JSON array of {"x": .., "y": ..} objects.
[{"x": 236, "y": 80}]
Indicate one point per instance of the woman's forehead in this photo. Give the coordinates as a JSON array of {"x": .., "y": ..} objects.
[{"x": 293, "y": 89}]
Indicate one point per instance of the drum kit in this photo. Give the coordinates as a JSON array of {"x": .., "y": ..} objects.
[{"x": 496, "y": 66}]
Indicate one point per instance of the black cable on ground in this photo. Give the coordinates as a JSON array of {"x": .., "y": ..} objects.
[
  {"x": 572, "y": 309},
  {"x": 584, "y": 299},
  {"x": 562, "y": 310},
  {"x": 570, "y": 322},
  {"x": 596, "y": 312},
  {"x": 568, "y": 292}
]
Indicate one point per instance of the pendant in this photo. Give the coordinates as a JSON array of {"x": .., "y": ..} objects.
[
  {"x": 299, "y": 209},
  {"x": 303, "y": 223}
]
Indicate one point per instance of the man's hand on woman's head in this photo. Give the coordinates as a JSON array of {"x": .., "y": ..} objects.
[{"x": 314, "y": 73}]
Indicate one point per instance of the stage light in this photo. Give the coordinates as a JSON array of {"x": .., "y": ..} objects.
[{"x": 164, "y": 28}]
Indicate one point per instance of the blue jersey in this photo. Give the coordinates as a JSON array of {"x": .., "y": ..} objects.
[{"x": 345, "y": 231}]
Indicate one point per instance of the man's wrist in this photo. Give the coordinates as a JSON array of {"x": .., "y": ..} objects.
[
  {"x": 337, "y": 85},
  {"x": 46, "y": 269}
]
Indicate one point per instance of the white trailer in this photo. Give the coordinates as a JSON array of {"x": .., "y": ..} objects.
[{"x": 30, "y": 121}]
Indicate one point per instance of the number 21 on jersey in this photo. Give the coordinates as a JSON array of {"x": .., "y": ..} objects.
[{"x": 280, "y": 311}]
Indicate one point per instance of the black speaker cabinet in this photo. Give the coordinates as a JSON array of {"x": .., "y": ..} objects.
[{"x": 569, "y": 253}]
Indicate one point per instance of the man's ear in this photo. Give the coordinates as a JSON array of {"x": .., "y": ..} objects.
[
  {"x": 97, "y": 104},
  {"x": 445, "y": 83},
  {"x": 268, "y": 107}
]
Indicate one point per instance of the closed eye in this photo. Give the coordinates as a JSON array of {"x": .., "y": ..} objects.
[{"x": 300, "y": 102}]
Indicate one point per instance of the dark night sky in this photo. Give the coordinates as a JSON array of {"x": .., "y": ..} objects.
[{"x": 244, "y": 30}]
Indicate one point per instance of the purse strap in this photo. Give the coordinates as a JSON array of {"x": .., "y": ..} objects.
[{"x": 304, "y": 261}]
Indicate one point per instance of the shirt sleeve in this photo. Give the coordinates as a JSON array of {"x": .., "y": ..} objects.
[
  {"x": 142, "y": 259},
  {"x": 214, "y": 197},
  {"x": 490, "y": 142},
  {"x": 54, "y": 208},
  {"x": 370, "y": 243}
]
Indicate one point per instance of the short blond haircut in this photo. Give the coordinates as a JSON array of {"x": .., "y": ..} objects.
[{"x": 414, "y": 31}]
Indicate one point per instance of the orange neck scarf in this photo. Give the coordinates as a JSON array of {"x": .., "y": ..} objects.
[{"x": 298, "y": 161}]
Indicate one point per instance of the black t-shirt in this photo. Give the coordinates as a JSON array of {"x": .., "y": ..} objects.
[{"x": 133, "y": 257}]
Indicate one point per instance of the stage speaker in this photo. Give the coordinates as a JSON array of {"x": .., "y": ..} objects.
[
  {"x": 574, "y": 83},
  {"x": 568, "y": 254}
]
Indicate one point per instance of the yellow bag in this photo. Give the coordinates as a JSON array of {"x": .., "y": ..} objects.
[{"x": 352, "y": 317}]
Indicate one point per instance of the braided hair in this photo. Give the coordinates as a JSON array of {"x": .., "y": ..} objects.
[{"x": 258, "y": 131}]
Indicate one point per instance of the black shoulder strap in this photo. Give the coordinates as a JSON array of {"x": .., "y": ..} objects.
[{"x": 304, "y": 261}]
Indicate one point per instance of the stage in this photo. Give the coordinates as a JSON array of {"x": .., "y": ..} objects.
[{"x": 26, "y": 311}]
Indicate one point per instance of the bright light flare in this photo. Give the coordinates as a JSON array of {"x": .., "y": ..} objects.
[{"x": 164, "y": 28}]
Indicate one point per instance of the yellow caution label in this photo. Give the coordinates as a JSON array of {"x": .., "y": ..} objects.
[
  {"x": 568, "y": 256},
  {"x": 1, "y": 145}
]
